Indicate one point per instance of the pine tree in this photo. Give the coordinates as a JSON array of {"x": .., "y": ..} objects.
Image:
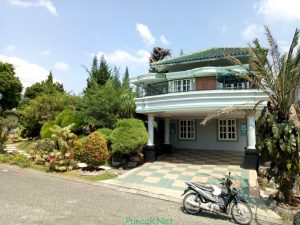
[
  {"x": 99, "y": 74},
  {"x": 125, "y": 82},
  {"x": 115, "y": 77}
]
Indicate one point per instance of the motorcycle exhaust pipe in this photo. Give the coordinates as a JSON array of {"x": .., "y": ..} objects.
[{"x": 193, "y": 203}]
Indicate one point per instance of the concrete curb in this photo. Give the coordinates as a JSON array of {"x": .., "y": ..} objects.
[{"x": 260, "y": 219}]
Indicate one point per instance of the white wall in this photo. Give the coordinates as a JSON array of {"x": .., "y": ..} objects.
[{"x": 207, "y": 137}]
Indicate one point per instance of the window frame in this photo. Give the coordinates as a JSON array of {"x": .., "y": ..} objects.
[
  {"x": 184, "y": 133},
  {"x": 225, "y": 127},
  {"x": 182, "y": 85}
]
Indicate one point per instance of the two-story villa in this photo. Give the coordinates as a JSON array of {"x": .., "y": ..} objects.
[{"x": 183, "y": 90}]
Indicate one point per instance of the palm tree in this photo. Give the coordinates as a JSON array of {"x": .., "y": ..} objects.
[
  {"x": 278, "y": 75},
  {"x": 158, "y": 54}
]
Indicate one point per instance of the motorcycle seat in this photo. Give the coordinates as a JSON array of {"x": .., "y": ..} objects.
[{"x": 205, "y": 188}]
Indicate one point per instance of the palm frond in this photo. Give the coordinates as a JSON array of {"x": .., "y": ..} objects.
[
  {"x": 274, "y": 51},
  {"x": 294, "y": 116},
  {"x": 221, "y": 112}
]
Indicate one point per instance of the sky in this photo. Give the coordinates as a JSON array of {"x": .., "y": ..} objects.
[{"x": 37, "y": 36}]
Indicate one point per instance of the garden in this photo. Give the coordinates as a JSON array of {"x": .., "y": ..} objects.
[{"x": 92, "y": 135}]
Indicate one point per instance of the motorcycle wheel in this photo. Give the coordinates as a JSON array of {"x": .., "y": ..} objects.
[
  {"x": 191, "y": 203},
  {"x": 241, "y": 213}
]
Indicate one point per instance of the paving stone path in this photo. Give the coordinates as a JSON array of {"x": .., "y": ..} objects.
[{"x": 12, "y": 148}]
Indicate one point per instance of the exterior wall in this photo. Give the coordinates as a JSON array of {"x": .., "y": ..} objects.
[{"x": 207, "y": 137}]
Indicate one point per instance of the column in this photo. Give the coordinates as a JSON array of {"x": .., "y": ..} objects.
[
  {"x": 251, "y": 135},
  {"x": 150, "y": 130},
  {"x": 167, "y": 131}
]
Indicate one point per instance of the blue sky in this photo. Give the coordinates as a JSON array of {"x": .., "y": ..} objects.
[{"x": 42, "y": 35}]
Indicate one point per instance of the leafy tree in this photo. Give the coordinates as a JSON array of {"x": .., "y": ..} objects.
[
  {"x": 10, "y": 87},
  {"x": 99, "y": 73},
  {"x": 44, "y": 108},
  {"x": 46, "y": 86},
  {"x": 278, "y": 138}
]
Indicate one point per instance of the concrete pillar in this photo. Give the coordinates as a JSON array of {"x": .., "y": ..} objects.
[
  {"x": 150, "y": 130},
  {"x": 167, "y": 131},
  {"x": 251, "y": 135}
]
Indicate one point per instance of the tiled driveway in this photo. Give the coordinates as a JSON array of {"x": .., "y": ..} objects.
[{"x": 169, "y": 174}]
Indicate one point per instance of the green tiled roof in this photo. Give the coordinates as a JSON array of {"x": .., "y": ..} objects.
[{"x": 211, "y": 53}]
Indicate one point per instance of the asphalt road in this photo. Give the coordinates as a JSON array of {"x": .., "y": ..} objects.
[{"x": 36, "y": 198}]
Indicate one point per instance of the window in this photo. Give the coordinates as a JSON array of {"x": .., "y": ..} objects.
[
  {"x": 182, "y": 85},
  {"x": 186, "y": 129},
  {"x": 227, "y": 129}
]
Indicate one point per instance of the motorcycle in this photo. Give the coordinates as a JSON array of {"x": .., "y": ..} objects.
[{"x": 215, "y": 200}]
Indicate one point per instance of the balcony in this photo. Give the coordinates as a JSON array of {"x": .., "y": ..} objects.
[
  {"x": 194, "y": 103},
  {"x": 166, "y": 87}
]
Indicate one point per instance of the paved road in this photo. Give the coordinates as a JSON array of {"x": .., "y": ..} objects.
[{"x": 34, "y": 198}]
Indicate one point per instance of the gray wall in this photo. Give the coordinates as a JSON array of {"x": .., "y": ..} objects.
[{"x": 207, "y": 137}]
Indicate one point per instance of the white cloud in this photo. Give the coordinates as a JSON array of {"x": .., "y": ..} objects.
[
  {"x": 120, "y": 56},
  {"x": 10, "y": 48},
  {"x": 164, "y": 40},
  {"x": 137, "y": 61},
  {"x": 279, "y": 9},
  {"x": 252, "y": 31},
  {"x": 145, "y": 34},
  {"x": 61, "y": 66},
  {"x": 47, "y": 4},
  {"x": 29, "y": 73},
  {"x": 45, "y": 52}
]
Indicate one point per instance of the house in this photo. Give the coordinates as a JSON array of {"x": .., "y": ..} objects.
[{"x": 183, "y": 90}]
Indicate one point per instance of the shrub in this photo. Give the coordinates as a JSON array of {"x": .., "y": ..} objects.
[
  {"x": 128, "y": 137},
  {"x": 68, "y": 117},
  {"x": 105, "y": 132},
  {"x": 62, "y": 158},
  {"x": 6, "y": 158},
  {"x": 59, "y": 118},
  {"x": 94, "y": 151},
  {"x": 60, "y": 162},
  {"x": 46, "y": 131},
  {"x": 41, "y": 150},
  {"x": 21, "y": 161}
]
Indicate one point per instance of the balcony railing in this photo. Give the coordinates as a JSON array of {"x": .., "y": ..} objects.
[{"x": 165, "y": 88}]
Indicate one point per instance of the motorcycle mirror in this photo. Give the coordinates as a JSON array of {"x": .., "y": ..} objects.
[{"x": 229, "y": 174}]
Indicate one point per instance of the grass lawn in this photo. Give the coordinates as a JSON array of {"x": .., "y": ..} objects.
[{"x": 103, "y": 176}]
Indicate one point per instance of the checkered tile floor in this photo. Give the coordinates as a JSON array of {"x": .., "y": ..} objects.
[{"x": 206, "y": 167}]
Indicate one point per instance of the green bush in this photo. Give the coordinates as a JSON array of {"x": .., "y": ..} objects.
[
  {"x": 68, "y": 117},
  {"x": 94, "y": 151},
  {"x": 21, "y": 161},
  {"x": 105, "y": 132},
  {"x": 6, "y": 158},
  {"x": 46, "y": 131},
  {"x": 128, "y": 137}
]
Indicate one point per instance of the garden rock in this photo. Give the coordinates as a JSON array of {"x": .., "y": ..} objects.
[{"x": 81, "y": 165}]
